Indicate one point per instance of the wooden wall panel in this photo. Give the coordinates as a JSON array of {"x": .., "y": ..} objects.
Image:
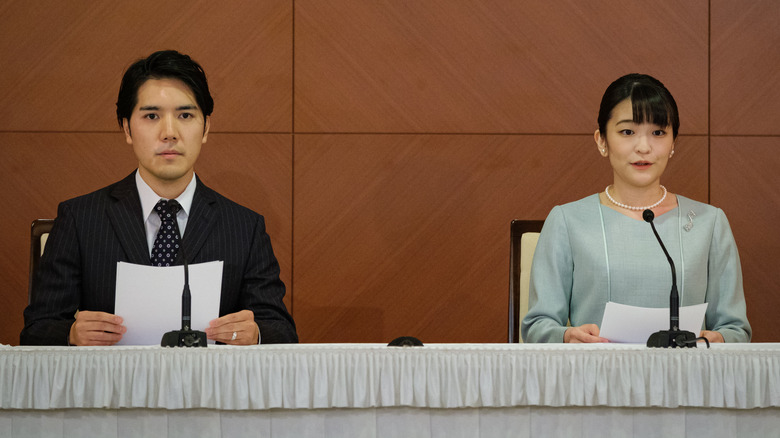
[
  {"x": 745, "y": 67},
  {"x": 255, "y": 170},
  {"x": 687, "y": 173},
  {"x": 400, "y": 219},
  {"x": 39, "y": 171},
  {"x": 443, "y": 66},
  {"x": 744, "y": 180},
  {"x": 745, "y": 185},
  {"x": 62, "y": 61},
  {"x": 409, "y": 234}
]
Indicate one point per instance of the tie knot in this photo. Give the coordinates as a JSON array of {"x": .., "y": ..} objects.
[{"x": 167, "y": 209}]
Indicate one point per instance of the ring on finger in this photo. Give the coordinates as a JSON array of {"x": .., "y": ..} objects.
[{"x": 235, "y": 335}]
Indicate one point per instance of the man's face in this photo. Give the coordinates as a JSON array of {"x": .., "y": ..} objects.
[{"x": 166, "y": 130}]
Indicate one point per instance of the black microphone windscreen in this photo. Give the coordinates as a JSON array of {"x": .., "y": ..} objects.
[
  {"x": 648, "y": 215},
  {"x": 405, "y": 341}
]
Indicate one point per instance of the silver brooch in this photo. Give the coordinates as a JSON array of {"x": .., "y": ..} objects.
[{"x": 689, "y": 225}]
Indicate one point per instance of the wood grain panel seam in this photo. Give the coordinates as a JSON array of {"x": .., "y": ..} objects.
[
  {"x": 211, "y": 131},
  {"x": 548, "y": 134},
  {"x": 709, "y": 101},
  {"x": 292, "y": 166}
]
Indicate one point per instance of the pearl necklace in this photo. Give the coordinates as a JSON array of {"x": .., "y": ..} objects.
[{"x": 628, "y": 207}]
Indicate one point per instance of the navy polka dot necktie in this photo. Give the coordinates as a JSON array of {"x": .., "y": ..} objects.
[{"x": 166, "y": 244}]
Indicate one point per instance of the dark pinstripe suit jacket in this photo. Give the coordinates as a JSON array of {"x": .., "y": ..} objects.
[{"x": 95, "y": 231}]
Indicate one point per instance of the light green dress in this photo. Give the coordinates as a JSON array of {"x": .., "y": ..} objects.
[{"x": 589, "y": 254}]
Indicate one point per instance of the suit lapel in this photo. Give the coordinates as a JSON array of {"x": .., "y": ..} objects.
[
  {"x": 125, "y": 217},
  {"x": 200, "y": 222}
]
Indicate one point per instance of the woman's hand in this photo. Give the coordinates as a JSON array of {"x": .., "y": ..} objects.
[
  {"x": 586, "y": 333},
  {"x": 712, "y": 336}
]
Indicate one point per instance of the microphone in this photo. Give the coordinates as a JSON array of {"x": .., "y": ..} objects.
[
  {"x": 405, "y": 341},
  {"x": 674, "y": 337},
  {"x": 186, "y": 337}
]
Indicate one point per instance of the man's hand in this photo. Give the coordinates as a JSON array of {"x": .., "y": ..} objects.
[
  {"x": 585, "y": 333},
  {"x": 242, "y": 324},
  {"x": 96, "y": 328}
]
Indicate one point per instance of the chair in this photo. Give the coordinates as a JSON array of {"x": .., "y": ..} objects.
[
  {"x": 39, "y": 232},
  {"x": 523, "y": 237}
]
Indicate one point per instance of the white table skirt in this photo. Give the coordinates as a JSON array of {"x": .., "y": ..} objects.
[
  {"x": 517, "y": 422},
  {"x": 321, "y": 376}
]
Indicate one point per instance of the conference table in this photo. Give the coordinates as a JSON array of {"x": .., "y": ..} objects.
[{"x": 372, "y": 390}]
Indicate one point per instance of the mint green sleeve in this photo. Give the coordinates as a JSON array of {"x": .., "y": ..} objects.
[
  {"x": 551, "y": 283},
  {"x": 726, "y": 311}
]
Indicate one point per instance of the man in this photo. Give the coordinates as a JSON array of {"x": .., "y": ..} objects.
[{"x": 164, "y": 108}]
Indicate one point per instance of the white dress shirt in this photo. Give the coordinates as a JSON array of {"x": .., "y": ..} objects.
[{"x": 149, "y": 199}]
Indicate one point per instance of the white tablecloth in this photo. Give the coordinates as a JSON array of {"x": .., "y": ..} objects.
[{"x": 314, "y": 376}]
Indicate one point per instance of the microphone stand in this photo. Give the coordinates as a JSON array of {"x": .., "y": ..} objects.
[
  {"x": 186, "y": 337},
  {"x": 674, "y": 337}
]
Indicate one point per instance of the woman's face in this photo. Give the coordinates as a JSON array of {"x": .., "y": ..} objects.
[{"x": 638, "y": 152}]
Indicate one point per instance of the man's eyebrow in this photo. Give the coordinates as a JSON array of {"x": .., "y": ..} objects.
[{"x": 157, "y": 108}]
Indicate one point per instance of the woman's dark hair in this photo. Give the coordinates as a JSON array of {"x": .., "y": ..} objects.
[
  {"x": 165, "y": 64},
  {"x": 650, "y": 102}
]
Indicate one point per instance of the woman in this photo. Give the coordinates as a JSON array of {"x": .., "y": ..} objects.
[{"x": 599, "y": 249}]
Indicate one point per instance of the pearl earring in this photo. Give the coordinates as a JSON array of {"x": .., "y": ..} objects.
[{"x": 671, "y": 154}]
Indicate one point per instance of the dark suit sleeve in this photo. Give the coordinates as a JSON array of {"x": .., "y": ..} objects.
[
  {"x": 56, "y": 286},
  {"x": 262, "y": 291}
]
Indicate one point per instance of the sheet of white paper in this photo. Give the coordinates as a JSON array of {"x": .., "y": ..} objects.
[
  {"x": 148, "y": 298},
  {"x": 633, "y": 325}
]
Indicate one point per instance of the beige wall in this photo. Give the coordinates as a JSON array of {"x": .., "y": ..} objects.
[{"x": 390, "y": 143}]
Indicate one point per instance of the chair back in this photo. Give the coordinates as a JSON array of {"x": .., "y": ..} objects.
[
  {"x": 524, "y": 235},
  {"x": 39, "y": 232}
]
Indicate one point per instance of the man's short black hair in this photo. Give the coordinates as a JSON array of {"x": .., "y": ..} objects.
[{"x": 165, "y": 64}]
